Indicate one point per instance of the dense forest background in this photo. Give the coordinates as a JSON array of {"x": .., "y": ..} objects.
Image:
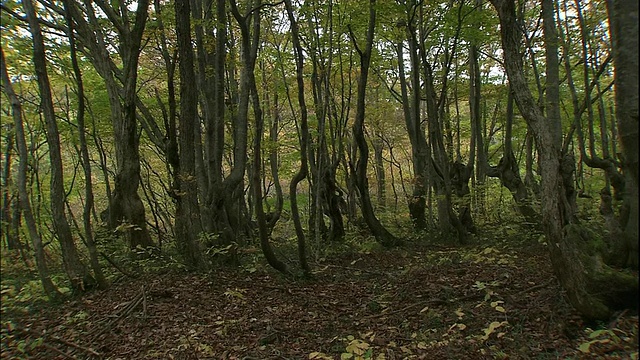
[{"x": 198, "y": 134}]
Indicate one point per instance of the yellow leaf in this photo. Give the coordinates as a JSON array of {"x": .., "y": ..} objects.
[
  {"x": 492, "y": 327},
  {"x": 500, "y": 309},
  {"x": 319, "y": 356},
  {"x": 357, "y": 347},
  {"x": 496, "y": 303},
  {"x": 424, "y": 309},
  {"x": 462, "y": 326},
  {"x": 422, "y": 345},
  {"x": 459, "y": 313},
  {"x": 346, "y": 356}
]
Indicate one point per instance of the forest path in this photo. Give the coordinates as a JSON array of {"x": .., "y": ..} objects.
[{"x": 493, "y": 301}]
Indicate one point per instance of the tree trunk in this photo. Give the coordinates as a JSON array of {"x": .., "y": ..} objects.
[
  {"x": 188, "y": 223},
  {"x": 86, "y": 163},
  {"x": 588, "y": 286},
  {"x": 508, "y": 171},
  {"x": 411, "y": 110},
  {"x": 274, "y": 128},
  {"x": 75, "y": 269},
  {"x": 381, "y": 234},
  {"x": 256, "y": 179},
  {"x": 6, "y": 220},
  {"x": 126, "y": 211},
  {"x": 233, "y": 189},
  {"x": 623, "y": 15},
  {"x": 381, "y": 183},
  {"x": 16, "y": 111},
  {"x": 304, "y": 141}
]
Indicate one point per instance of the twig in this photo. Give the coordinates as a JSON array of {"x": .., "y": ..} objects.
[
  {"x": 356, "y": 269},
  {"x": 74, "y": 345},
  {"x": 113, "y": 263},
  {"x": 124, "y": 312},
  {"x": 614, "y": 322},
  {"x": 375, "y": 316},
  {"x": 58, "y": 339},
  {"x": 56, "y": 350},
  {"x": 144, "y": 303},
  {"x": 539, "y": 286}
]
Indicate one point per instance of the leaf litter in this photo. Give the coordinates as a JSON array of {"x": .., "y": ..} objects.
[{"x": 420, "y": 303}]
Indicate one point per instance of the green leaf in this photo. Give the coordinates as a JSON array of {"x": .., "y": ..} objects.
[
  {"x": 584, "y": 347},
  {"x": 597, "y": 333}
]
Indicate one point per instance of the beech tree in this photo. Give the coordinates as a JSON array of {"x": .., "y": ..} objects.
[
  {"x": 25, "y": 203},
  {"x": 623, "y": 15},
  {"x": 362, "y": 153},
  {"x": 76, "y": 270},
  {"x": 580, "y": 275}
]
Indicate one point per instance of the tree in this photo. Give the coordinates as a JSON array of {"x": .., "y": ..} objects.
[
  {"x": 25, "y": 204},
  {"x": 420, "y": 150},
  {"x": 304, "y": 142},
  {"x": 325, "y": 194},
  {"x": 591, "y": 289},
  {"x": 362, "y": 152},
  {"x": 75, "y": 269},
  {"x": 126, "y": 211},
  {"x": 188, "y": 222},
  {"x": 86, "y": 162},
  {"x": 623, "y": 17}
]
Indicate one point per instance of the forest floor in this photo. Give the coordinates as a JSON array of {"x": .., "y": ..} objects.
[{"x": 481, "y": 301}]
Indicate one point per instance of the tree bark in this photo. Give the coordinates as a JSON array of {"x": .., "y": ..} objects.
[
  {"x": 6, "y": 220},
  {"x": 188, "y": 222},
  {"x": 623, "y": 15},
  {"x": 411, "y": 109}
]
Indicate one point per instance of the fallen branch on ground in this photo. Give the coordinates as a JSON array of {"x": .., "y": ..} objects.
[
  {"x": 124, "y": 312},
  {"x": 45, "y": 337}
]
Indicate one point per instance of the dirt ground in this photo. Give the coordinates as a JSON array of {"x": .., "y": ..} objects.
[{"x": 476, "y": 302}]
